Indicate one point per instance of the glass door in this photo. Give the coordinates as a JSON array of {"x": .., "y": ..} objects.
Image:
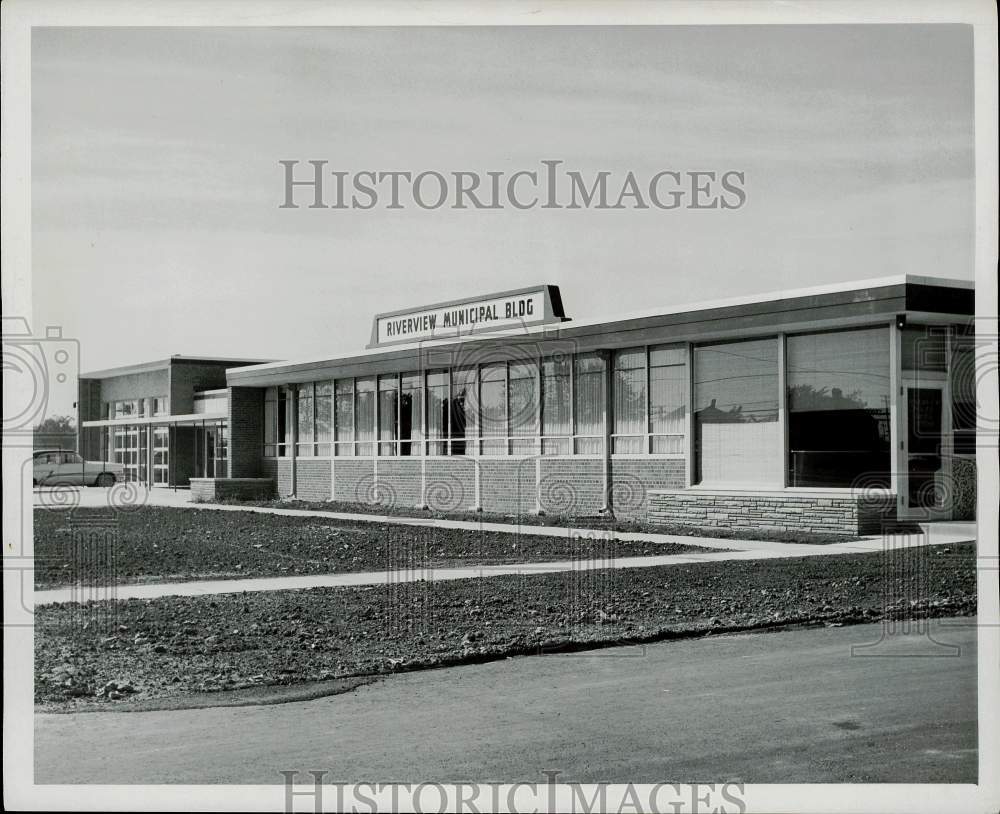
[
  {"x": 925, "y": 491},
  {"x": 161, "y": 452}
]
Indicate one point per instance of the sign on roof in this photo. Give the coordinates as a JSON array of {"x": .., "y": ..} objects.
[{"x": 449, "y": 320}]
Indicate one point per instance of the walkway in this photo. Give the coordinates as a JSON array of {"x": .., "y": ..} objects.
[{"x": 936, "y": 534}]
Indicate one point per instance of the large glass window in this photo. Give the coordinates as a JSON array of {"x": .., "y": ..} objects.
[
  {"x": 736, "y": 413},
  {"x": 388, "y": 414},
  {"x": 364, "y": 415},
  {"x": 306, "y": 427},
  {"x": 557, "y": 428},
  {"x": 411, "y": 403},
  {"x": 588, "y": 403},
  {"x": 668, "y": 399},
  {"x": 493, "y": 408},
  {"x": 437, "y": 412},
  {"x": 523, "y": 408},
  {"x": 630, "y": 401},
  {"x": 838, "y": 408},
  {"x": 286, "y": 406},
  {"x": 462, "y": 415},
  {"x": 324, "y": 405},
  {"x": 270, "y": 422},
  {"x": 344, "y": 416},
  {"x": 963, "y": 391},
  {"x": 161, "y": 456}
]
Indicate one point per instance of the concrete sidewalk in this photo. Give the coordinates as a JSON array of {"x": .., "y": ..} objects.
[
  {"x": 734, "y": 549},
  {"x": 745, "y": 550}
]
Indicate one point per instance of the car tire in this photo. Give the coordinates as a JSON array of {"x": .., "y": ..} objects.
[{"x": 105, "y": 479}]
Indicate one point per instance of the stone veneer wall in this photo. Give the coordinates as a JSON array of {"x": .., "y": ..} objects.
[
  {"x": 774, "y": 511},
  {"x": 963, "y": 491}
]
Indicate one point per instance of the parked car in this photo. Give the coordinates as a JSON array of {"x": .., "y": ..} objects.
[{"x": 53, "y": 467}]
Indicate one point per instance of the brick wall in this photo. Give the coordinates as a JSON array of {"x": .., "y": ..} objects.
[
  {"x": 847, "y": 514},
  {"x": 88, "y": 408},
  {"x": 246, "y": 431},
  {"x": 283, "y": 476},
  {"x": 633, "y": 478},
  {"x": 353, "y": 478},
  {"x": 507, "y": 485},
  {"x": 312, "y": 479},
  {"x": 571, "y": 486},
  {"x": 399, "y": 481},
  {"x": 209, "y": 490},
  {"x": 451, "y": 484}
]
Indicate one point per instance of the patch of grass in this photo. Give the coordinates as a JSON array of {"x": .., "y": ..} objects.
[
  {"x": 165, "y": 544},
  {"x": 175, "y": 646}
]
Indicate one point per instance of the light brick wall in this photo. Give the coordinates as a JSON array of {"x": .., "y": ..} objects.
[
  {"x": 633, "y": 478},
  {"x": 283, "y": 476},
  {"x": 451, "y": 484},
  {"x": 571, "y": 487},
  {"x": 353, "y": 479},
  {"x": 399, "y": 481},
  {"x": 507, "y": 485},
  {"x": 312, "y": 479},
  {"x": 814, "y": 513}
]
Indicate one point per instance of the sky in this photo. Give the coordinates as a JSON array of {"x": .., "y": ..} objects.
[{"x": 156, "y": 226}]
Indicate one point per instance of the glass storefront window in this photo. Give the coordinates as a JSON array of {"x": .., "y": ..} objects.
[
  {"x": 462, "y": 411},
  {"x": 437, "y": 412},
  {"x": 588, "y": 403},
  {"x": 270, "y": 422},
  {"x": 963, "y": 390},
  {"x": 557, "y": 429},
  {"x": 838, "y": 408},
  {"x": 388, "y": 414},
  {"x": 736, "y": 413},
  {"x": 364, "y": 416},
  {"x": 629, "y": 388},
  {"x": 523, "y": 408},
  {"x": 411, "y": 414},
  {"x": 324, "y": 417},
  {"x": 668, "y": 399},
  {"x": 306, "y": 419},
  {"x": 343, "y": 419},
  {"x": 493, "y": 408}
]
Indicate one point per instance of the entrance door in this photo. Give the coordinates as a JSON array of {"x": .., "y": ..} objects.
[{"x": 925, "y": 492}]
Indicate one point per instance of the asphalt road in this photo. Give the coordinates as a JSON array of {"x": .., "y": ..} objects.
[{"x": 785, "y": 707}]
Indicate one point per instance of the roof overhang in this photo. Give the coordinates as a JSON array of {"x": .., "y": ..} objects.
[
  {"x": 159, "y": 420},
  {"x": 819, "y": 308}
]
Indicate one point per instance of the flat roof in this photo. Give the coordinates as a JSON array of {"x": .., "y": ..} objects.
[
  {"x": 900, "y": 281},
  {"x": 161, "y": 364}
]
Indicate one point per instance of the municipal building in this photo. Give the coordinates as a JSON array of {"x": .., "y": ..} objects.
[{"x": 829, "y": 409}]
